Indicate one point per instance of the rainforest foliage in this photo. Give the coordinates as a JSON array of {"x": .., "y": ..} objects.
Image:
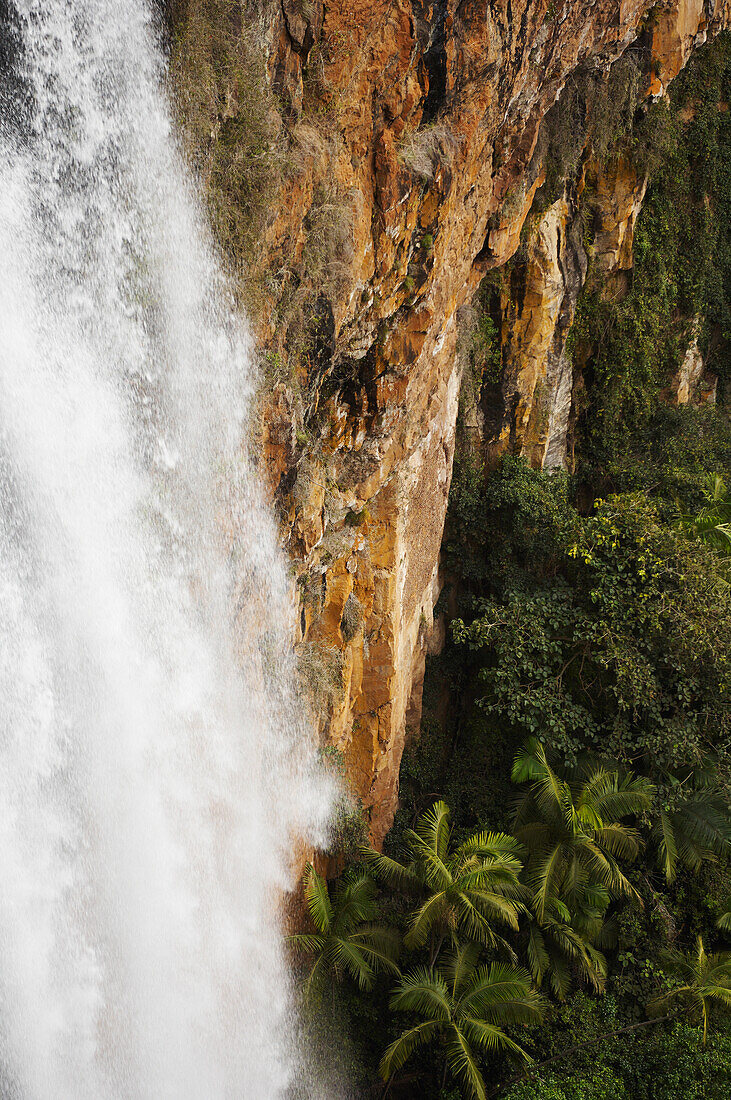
[{"x": 551, "y": 915}]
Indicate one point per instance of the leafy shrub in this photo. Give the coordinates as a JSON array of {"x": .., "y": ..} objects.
[
  {"x": 655, "y": 1063},
  {"x": 625, "y": 650}
]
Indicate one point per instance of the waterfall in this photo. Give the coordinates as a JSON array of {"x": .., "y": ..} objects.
[{"x": 155, "y": 765}]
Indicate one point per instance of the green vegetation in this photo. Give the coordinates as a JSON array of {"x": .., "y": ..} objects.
[
  {"x": 630, "y": 345},
  {"x": 465, "y": 912},
  {"x": 593, "y": 108},
  {"x": 466, "y": 889},
  {"x": 346, "y": 940},
  {"x": 244, "y": 143},
  {"x": 464, "y": 1005},
  {"x": 706, "y": 981},
  {"x": 600, "y": 1057},
  {"x": 608, "y": 632},
  {"x": 447, "y": 898},
  {"x": 575, "y": 842},
  {"x": 712, "y": 521}
]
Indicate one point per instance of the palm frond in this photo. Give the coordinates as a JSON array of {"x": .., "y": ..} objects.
[
  {"x": 501, "y": 847},
  {"x": 378, "y": 937},
  {"x": 538, "y": 959},
  {"x": 492, "y": 906},
  {"x": 706, "y": 821},
  {"x": 667, "y": 848},
  {"x": 535, "y": 836},
  {"x": 495, "y": 879},
  {"x": 457, "y": 966},
  {"x": 529, "y": 762},
  {"x": 693, "y": 855},
  {"x": 379, "y": 946},
  {"x": 591, "y": 896},
  {"x": 433, "y": 829},
  {"x": 351, "y": 958},
  {"x": 614, "y": 798},
  {"x": 473, "y": 923},
  {"x": 463, "y": 1065},
  {"x": 559, "y": 910},
  {"x": 594, "y": 967},
  {"x": 553, "y": 795},
  {"x": 401, "y": 1049},
  {"x": 306, "y": 944},
  {"x": 567, "y": 939},
  {"x": 501, "y": 994},
  {"x": 724, "y": 922},
  {"x": 608, "y": 935},
  {"x": 559, "y": 976},
  {"x": 423, "y": 919},
  {"x": 390, "y": 871},
  {"x": 607, "y": 871},
  {"x": 318, "y": 900},
  {"x": 488, "y": 1038},
  {"x": 424, "y": 991},
  {"x": 619, "y": 841},
  {"x": 719, "y": 993},
  {"x": 546, "y": 879},
  {"x": 434, "y": 871},
  {"x": 707, "y": 983},
  {"x": 316, "y": 970},
  {"x": 354, "y": 902}
]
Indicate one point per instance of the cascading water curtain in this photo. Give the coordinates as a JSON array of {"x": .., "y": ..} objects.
[{"x": 155, "y": 766}]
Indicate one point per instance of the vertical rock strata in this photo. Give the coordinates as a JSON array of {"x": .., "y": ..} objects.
[{"x": 414, "y": 126}]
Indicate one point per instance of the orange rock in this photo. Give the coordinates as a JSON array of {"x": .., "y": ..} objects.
[{"x": 419, "y": 122}]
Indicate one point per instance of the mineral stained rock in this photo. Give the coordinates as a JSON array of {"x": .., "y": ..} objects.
[{"x": 415, "y": 126}]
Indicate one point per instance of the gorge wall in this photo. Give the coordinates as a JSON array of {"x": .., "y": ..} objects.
[{"x": 397, "y": 152}]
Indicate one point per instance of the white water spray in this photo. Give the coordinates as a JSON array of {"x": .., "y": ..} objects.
[{"x": 154, "y": 764}]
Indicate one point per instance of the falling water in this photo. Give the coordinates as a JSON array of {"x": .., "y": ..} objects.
[{"x": 154, "y": 766}]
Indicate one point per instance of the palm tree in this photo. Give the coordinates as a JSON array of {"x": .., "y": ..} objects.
[
  {"x": 572, "y": 828},
  {"x": 469, "y": 887},
  {"x": 707, "y": 981},
  {"x": 693, "y": 827},
  {"x": 712, "y": 522},
  {"x": 563, "y": 943},
  {"x": 465, "y": 1006},
  {"x": 346, "y": 940}
]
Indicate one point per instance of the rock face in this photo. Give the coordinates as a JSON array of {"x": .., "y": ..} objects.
[
  {"x": 538, "y": 308},
  {"x": 532, "y": 415},
  {"x": 413, "y": 130},
  {"x": 693, "y": 384}
]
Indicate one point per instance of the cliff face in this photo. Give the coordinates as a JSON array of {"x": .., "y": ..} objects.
[{"x": 415, "y": 152}]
